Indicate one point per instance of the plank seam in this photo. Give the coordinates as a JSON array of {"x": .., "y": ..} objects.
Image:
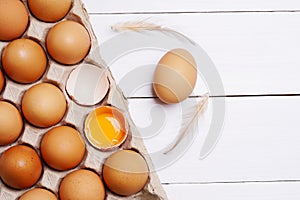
[
  {"x": 194, "y": 12},
  {"x": 229, "y": 96},
  {"x": 233, "y": 182}
]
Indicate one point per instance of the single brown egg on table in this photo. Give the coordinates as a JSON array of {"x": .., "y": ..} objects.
[
  {"x": 175, "y": 76},
  {"x": 82, "y": 185},
  {"x": 49, "y": 10},
  {"x": 44, "y": 105},
  {"x": 38, "y": 194},
  {"x": 24, "y": 60},
  {"x": 68, "y": 42},
  {"x": 62, "y": 148},
  {"x": 2, "y": 81},
  {"x": 13, "y": 19},
  {"x": 125, "y": 172},
  {"x": 20, "y": 167},
  {"x": 11, "y": 123}
]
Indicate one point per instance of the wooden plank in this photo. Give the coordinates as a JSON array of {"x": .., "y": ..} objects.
[
  {"x": 238, "y": 191},
  {"x": 260, "y": 140},
  {"x": 254, "y": 53},
  {"x": 115, "y": 6}
]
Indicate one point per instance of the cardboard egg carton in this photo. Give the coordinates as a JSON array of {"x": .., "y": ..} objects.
[{"x": 75, "y": 115}]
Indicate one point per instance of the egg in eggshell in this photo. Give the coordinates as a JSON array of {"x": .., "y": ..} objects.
[
  {"x": 11, "y": 123},
  {"x": 68, "y": 42},
  {"x": 175, "y": 76},
  {"x": 44, "y": 105},
  {"x": 62, "y": 147},
  {"x": 82, "y": 185},
  {"x": 125, "y": 172},
  {"x": 38, "y": 194},
  {"x": 20, "y": 167},
  {"x": 24, "y": 60},
  {"x": 14, "y": 19},
  {"x": 2, "y": 81},
  {"x": 49, "y": 10}
]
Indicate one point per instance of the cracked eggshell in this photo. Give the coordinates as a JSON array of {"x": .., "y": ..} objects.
[{"x": 87, "y": 84}]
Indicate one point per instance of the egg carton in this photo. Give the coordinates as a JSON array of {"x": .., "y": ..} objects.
[{"x": 75, "y": 115}]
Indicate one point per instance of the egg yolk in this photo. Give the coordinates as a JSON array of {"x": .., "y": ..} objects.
[{"x": 105, "y": 127}]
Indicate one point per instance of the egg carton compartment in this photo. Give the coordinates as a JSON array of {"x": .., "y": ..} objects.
[{"x": 58, "y": 74}]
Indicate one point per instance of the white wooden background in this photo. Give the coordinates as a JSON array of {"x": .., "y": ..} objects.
[{"x": 255, "y": 45}]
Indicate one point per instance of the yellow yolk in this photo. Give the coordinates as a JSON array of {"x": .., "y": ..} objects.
[{"x": 105, "y": 127}]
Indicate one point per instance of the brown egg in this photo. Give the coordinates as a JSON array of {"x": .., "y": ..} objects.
[
  {"x": 68, "y": 42},
  {"x": 49, "y": 10},
  {"x": 38, "y": 194},
  {"x": 13, "y": 19},
  {"x": 11, "y": 123},
  {"x": 125, "y": 172},
  {"x": 2, "y": 81},
  {"x": 175, "y": 76},
  {"x": 62, "y": 148},
  {"x": 20, "y": 167},
  {"x": 24, "y": 60},
  {"x": 82, "y": 185},
  {"x": 44, "y": 105}
]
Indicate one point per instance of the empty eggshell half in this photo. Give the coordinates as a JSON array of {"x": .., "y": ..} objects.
[{"x": 87, "y": 84}]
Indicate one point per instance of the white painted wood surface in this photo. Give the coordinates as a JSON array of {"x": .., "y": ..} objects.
[
  {"x": 238, "y": 191},
  {"x": 142, "y": 6},
  {"x": 256, "y": 53},
  {"x": 260, "y": 141}
]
